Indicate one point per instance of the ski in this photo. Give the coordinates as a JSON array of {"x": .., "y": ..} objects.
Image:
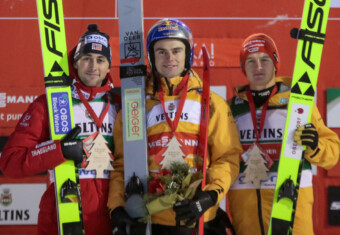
[
  {"x": 59, "y": 101},
  {"x": 132, "y": 74},
  {"x": 311, "y": 38},
  {"x": 204, "y": 124}
]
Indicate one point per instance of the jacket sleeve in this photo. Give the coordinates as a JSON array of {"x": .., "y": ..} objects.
[
  {"x": 116, "y": 185},
  {"x": 224, "y": 148},
  {"x": 326, "y": 154},
  {"x": 28, "y": 150}
]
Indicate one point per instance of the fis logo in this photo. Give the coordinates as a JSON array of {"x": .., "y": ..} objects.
[{"x": 51, "y": 25}]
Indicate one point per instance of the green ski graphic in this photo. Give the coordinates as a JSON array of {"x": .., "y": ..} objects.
[
  {"x": 58, "y": 92},
  {"x": 310, "y": 37}
]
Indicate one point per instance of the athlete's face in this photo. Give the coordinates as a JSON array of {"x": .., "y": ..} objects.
[
  {"x": 92, "y": 69},
  {"x": 169, "y": 57},
  {"x": 260, "y": 71}
]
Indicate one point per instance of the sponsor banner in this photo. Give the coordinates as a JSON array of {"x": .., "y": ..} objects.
[
  {"x": 335, "y": 4},
  {"x": 13, "y": 103},
  {"x": 220, "y": 90},
  {"x": 333, "y": 107},
  {"x": 223, "y": 52},
  {"x": 19, "y": 203}
]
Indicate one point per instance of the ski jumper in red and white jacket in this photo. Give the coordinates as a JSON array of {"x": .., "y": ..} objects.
[
  {"x": 250, "y": 208},
  {"x": 30, "y": 151}
]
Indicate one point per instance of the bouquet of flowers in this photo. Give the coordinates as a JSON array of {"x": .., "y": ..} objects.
[{"x": 170, "y": 186}]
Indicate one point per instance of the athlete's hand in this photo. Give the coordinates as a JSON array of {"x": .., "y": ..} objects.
[
  {"x": 307, "y": 135},
  {"x": 191, "y": 210},
  {"x": 120, "y": 219},
  {"x": 71, "y": 147}
]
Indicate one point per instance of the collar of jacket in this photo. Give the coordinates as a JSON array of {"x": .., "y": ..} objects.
[
  {"x": 194, "y": 82},
  {"x": 283, "y": 83}
]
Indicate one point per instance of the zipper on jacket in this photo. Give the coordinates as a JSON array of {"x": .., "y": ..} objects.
[
  {"x": 259, "y": 210},
  {"x": 169, "y": 87}
]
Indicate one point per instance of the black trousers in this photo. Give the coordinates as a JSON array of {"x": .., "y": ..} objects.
[
  {"x": 210, "y": 228},
  {"x": 216, "y": 226},
  {"x": 170, "y": 230}
]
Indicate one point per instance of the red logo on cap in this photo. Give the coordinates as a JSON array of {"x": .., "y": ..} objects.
[{"x": 96, "y": 46}]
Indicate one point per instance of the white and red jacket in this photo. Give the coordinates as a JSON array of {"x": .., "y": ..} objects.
[{"x": 30, "y": 151}]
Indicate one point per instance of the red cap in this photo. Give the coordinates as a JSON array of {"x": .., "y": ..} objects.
[{"x": 259, "y": 42}]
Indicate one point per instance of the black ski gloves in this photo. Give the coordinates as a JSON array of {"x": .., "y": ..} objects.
[
  {"x": 71, "y": 147},
  {"x": 191, "y": 210},
  {"x": 120, "y": 219},
  {"x": 307, "y": 135}
]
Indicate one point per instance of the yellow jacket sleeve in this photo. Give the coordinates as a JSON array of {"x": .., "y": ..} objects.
[
  {"x": 224, "y": 148},
  {"x": 116, "y": 187},
  {"x": 326, "y": 154}
]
